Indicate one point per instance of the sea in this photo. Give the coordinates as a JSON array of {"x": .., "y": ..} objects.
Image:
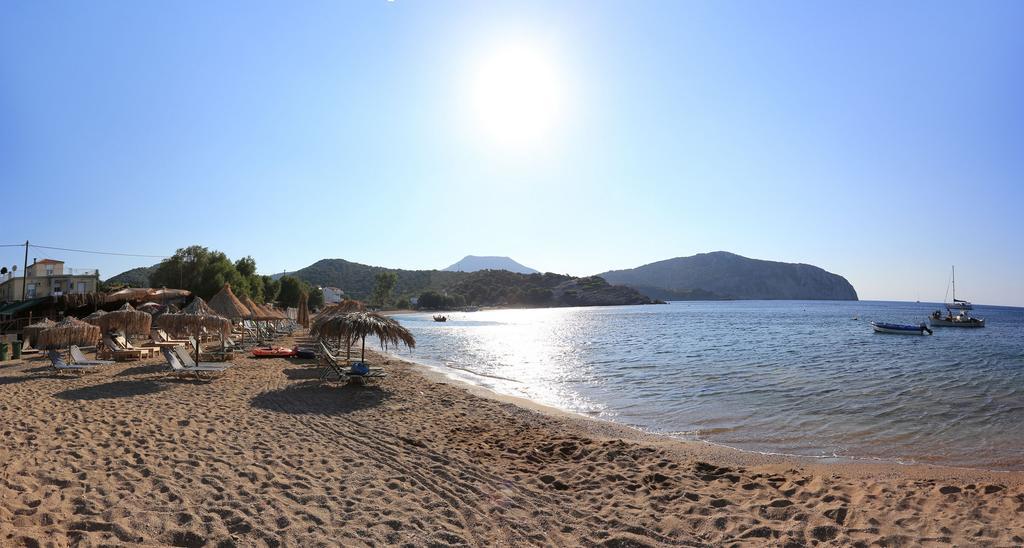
[{"x": 801, "y": 378}]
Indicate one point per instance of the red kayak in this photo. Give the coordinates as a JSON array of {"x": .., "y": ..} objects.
[{"x": 273, "y": 352}]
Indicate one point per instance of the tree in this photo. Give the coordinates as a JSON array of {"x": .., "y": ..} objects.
[
  {"x": 199, "y": 270},
  {"x": 271, "y": 288},
  {"x": 246, "y": 266},
  {"x": 386, "y": 282},
  {"x": 433, "y": 300},
  {"x": 291, "y": 289}
]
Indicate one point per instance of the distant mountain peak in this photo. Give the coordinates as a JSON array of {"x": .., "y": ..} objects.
[{"x": 472, "y": 263}]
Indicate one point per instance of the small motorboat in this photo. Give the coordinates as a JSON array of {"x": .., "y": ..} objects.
[
  {"x": 273, "y": 352},
  {"x": 962, "y": 319},
  {"x": 440, "y": 318},
  {"x": 900, "y": 328}
]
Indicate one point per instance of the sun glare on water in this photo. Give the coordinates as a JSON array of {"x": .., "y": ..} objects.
[{"x": 518, "y": 94}]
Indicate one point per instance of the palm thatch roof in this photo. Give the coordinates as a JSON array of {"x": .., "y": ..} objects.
[
  {"x": 355, "y": 326},
  {"x": 129, "y": 294},
  {"x": 226, "y": 304},
  {"x": 258, "y": 312},
  {"x": 94, "y": 318},
  {"x": 67, "y": 332},
  {"x": 330, "y": 311},
  {"x": 31, "y": 332},
  {"x": 164, "y": 293},
  {"x": 193, "y": 318},
  {"x": 126, "y": 319}
]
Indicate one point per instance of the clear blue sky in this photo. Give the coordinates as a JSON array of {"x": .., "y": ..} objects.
[{"x": 881, "y": 141}]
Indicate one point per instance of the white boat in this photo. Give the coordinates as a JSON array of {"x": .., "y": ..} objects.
[
  {"x": 961, "y": 318},
  {"x": 900, "y": 328}
]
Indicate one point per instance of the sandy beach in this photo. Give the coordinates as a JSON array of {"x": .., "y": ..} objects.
[{"x": 266, "y": 455}]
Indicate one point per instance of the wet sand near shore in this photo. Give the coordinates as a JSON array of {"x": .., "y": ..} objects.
[{"x": 267, "y": 455}]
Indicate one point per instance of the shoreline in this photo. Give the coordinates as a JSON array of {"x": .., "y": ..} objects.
[{"x": 436, "y": 373}]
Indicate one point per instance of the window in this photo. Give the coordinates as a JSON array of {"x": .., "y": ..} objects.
[
  {"x": 30, "y": 291},
  {"x": 81, "y": 287},
  {"x": 49, "y": 270}
]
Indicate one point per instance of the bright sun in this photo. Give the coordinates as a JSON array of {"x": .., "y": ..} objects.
[{"x": 518, "y": 94}]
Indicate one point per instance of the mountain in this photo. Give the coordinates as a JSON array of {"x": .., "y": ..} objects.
[
  {"x": 136, "y": 277},
  {"x": 357, "y": 280},
  {"x": 480, "y": 288},
  {"x": 472, "y": 263},
  {"x": 723, "y": 275}
]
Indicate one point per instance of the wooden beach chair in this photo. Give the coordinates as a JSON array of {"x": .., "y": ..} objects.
[
  {"x": 125, "y": 344},
  {"x": 159, "y": 335},
  {"x": 112, "y": 350},
  {"x": 78, "y": 358},
  {"x": 60, "y": 366},
  {"x": 200, "y": 371},
  {"x": 155, "y": 341}
]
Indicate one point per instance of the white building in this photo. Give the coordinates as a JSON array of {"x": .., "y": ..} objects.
[{"x": 332, "y": 295}]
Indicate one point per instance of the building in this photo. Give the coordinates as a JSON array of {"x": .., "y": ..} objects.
[
  {"x": 332, "y": 295},
  {"x": 47, "y": 278}
]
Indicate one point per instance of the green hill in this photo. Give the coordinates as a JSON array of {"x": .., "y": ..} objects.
[
  {"x": 480, "y": 288},
  {"x": 136, "y": 277},
  {"x": 723, "y": 275}
]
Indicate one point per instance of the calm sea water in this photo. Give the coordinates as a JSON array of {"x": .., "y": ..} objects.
[{"x": 794, "y": 377}]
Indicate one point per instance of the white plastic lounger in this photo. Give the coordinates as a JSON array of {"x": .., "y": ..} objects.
[
  {"x": 78, "y": 358},
  {"x": 177, "y": 368},
  {"x": 61, "y": 366},
  {"x": 185, "y": 357}
]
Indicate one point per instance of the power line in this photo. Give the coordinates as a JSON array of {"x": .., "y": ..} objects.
[{"x": 96, "y": 252}]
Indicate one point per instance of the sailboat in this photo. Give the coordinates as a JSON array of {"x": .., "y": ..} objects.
[{"x": 962, "y": 318}]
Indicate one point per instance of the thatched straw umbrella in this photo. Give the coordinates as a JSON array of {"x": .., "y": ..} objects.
[
  {"x": 67, "y": 332},
  {"x": 163, "y": 294},
  {"x": 31, "y": 332},
  {"x": 302, "y": 318},
  {"x": 192, "y": 319},
  {"x": 129, "y": 294},
  {"x": 226, "y": 304},
  {"x": 331, "y": 311},
  {"x": 94, "y": 318},
  {"x": 357, "y": 325},
  {"x": 257, "y": 314},
  {"x": 127, "y": 319}
]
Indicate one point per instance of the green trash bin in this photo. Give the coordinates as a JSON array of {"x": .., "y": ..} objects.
[
  {"x": 3, "y": 351},
  {"x": 16, "y": 350}
]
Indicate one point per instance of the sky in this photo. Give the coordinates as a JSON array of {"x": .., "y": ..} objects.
[{"x": 881, "y": 141}]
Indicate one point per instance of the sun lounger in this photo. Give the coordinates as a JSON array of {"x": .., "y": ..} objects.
[
  {"x": 125, "y": 344},
  {"x": 78, "y": 358},
  {"x": 186, "y": 360},
  {"x": 156, "y": 342},
  {"x": 58, "y": 364},
  {"x": 200, "y": 371},
  {"x": 159, "y": 335},
  {"x": 113, "y": 350},
  {"x": 339, "y": 366}
]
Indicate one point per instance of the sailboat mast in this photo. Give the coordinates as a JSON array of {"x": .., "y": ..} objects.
[{"x": 954, "y": 283}]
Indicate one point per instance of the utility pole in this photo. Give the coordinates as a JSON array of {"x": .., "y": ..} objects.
[{"x": 24, "y": 274}]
